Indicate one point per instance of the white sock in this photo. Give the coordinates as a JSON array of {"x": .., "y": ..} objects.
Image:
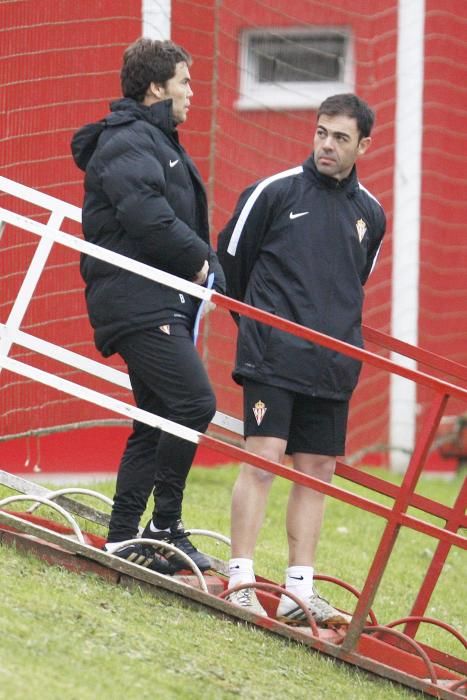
[
  {"x": 112, "y": 546},
  {"x": 153, "y": 528},
  {"x": 241, "y": 571},
  {"x": 299, "y": 581}
]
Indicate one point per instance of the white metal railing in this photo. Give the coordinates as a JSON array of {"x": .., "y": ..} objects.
[{"x": 10, "y": 332}]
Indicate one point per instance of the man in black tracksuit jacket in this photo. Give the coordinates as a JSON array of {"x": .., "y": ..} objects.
[
  {"x": 301, "y": 245},
  {"x": 145, "y": 199}
]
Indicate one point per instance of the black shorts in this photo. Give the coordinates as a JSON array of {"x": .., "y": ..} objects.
[{"x": 308, "y": 424}]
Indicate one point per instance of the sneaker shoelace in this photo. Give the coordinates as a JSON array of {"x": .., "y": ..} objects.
[
  {"x": 320, "y": 601},
  {"x": 317, "y": 605},
  {"x": 180, "y": 540},
  {"x": 321, "y": 606},
  {"x": 244, "y": 597}
]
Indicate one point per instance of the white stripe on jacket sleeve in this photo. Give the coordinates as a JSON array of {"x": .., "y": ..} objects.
[{"x": 248, "y": 206}]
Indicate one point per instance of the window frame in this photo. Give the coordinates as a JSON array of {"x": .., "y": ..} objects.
[{"x": 255, "y": 95}]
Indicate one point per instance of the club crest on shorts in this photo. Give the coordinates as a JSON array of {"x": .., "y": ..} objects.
[
  {"x": 361, "y": 229},
  {"x": 259, "y": 409}
]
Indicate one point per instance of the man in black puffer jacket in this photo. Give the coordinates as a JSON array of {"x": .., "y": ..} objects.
[{"x": 145, "y": 199}]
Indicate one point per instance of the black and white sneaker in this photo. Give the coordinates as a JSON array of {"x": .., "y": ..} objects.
[
  {"x": 143, "y": 555},
  {"x": 324, "y": 614},
  {"x": 178, "y": 536}
]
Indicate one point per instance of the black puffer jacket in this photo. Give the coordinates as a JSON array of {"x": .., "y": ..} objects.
[
  {"x": 144, "y": 198},
  {"x": 301, "y": 245}
]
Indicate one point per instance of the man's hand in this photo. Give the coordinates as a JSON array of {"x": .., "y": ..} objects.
[
  {"x": 201, "y": 276},
  {"x": 208, "y": 306}
]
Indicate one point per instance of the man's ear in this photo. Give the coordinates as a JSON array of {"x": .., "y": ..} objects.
[
  {"x": 157, "y": 90},
  {"x": 364, "y": 145}
]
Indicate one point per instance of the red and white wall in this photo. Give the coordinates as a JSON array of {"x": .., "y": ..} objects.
[{"x": 59, "y": 68}]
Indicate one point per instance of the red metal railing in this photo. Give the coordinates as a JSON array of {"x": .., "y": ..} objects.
[{"x": 404, "y": 495}]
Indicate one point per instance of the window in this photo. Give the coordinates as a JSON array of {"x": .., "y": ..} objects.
[{"x": 294, "y": 68}]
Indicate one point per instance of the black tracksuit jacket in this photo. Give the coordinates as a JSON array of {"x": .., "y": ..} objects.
[
  {"x": 144, "y": 198},
  {"x": 301, "y": 245}
]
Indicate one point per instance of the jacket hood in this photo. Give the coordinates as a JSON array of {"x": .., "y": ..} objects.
[
  {"x": 123, "y": 111},
  {"x": 84, "y": 142}
]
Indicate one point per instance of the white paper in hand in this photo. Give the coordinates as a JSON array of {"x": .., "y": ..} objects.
[{"x": 200, "y": 314}]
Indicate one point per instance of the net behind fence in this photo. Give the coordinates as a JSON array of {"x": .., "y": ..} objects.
[{"x": 259, "y": 72}]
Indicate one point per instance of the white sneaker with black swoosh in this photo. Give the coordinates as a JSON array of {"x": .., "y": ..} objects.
[{"x": 323, "y": 613}]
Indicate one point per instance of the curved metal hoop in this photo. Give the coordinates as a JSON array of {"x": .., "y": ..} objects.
[
  {"x": 172, "y": 548},
  {"x": 274, "y": 588},
  {"x": 458, "y": 684},
  {"x": 348, "y": 587},
  {"x": 45, "y": 501},
  {"x": 430, "y": 621},
  {"x": 62, "y": 492},
  {"x": 210, "y": 533},
  {"x": 379, "y": 629}
]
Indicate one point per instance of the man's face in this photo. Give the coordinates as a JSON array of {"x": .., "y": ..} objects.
[
  {"x": 337, "y": 145},
  {"x": 178, "y": 89}
]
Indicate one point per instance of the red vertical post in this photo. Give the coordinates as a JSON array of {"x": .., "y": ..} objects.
[
  {"x": 436, "y": 567},
  {"x": 391, "y": 531}
]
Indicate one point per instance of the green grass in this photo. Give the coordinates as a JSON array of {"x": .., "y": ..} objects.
[{"x": 76, "y": 637}]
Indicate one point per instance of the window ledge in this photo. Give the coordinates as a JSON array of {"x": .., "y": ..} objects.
[{"x": 277, "y": 97}]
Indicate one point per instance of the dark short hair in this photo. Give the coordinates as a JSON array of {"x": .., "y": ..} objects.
[
  {"x": 149, "y": 61},
  {"x": 352, "y": 106}
]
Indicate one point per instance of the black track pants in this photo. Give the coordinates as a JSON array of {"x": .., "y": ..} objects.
[{"x": 168, "y": 379}]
